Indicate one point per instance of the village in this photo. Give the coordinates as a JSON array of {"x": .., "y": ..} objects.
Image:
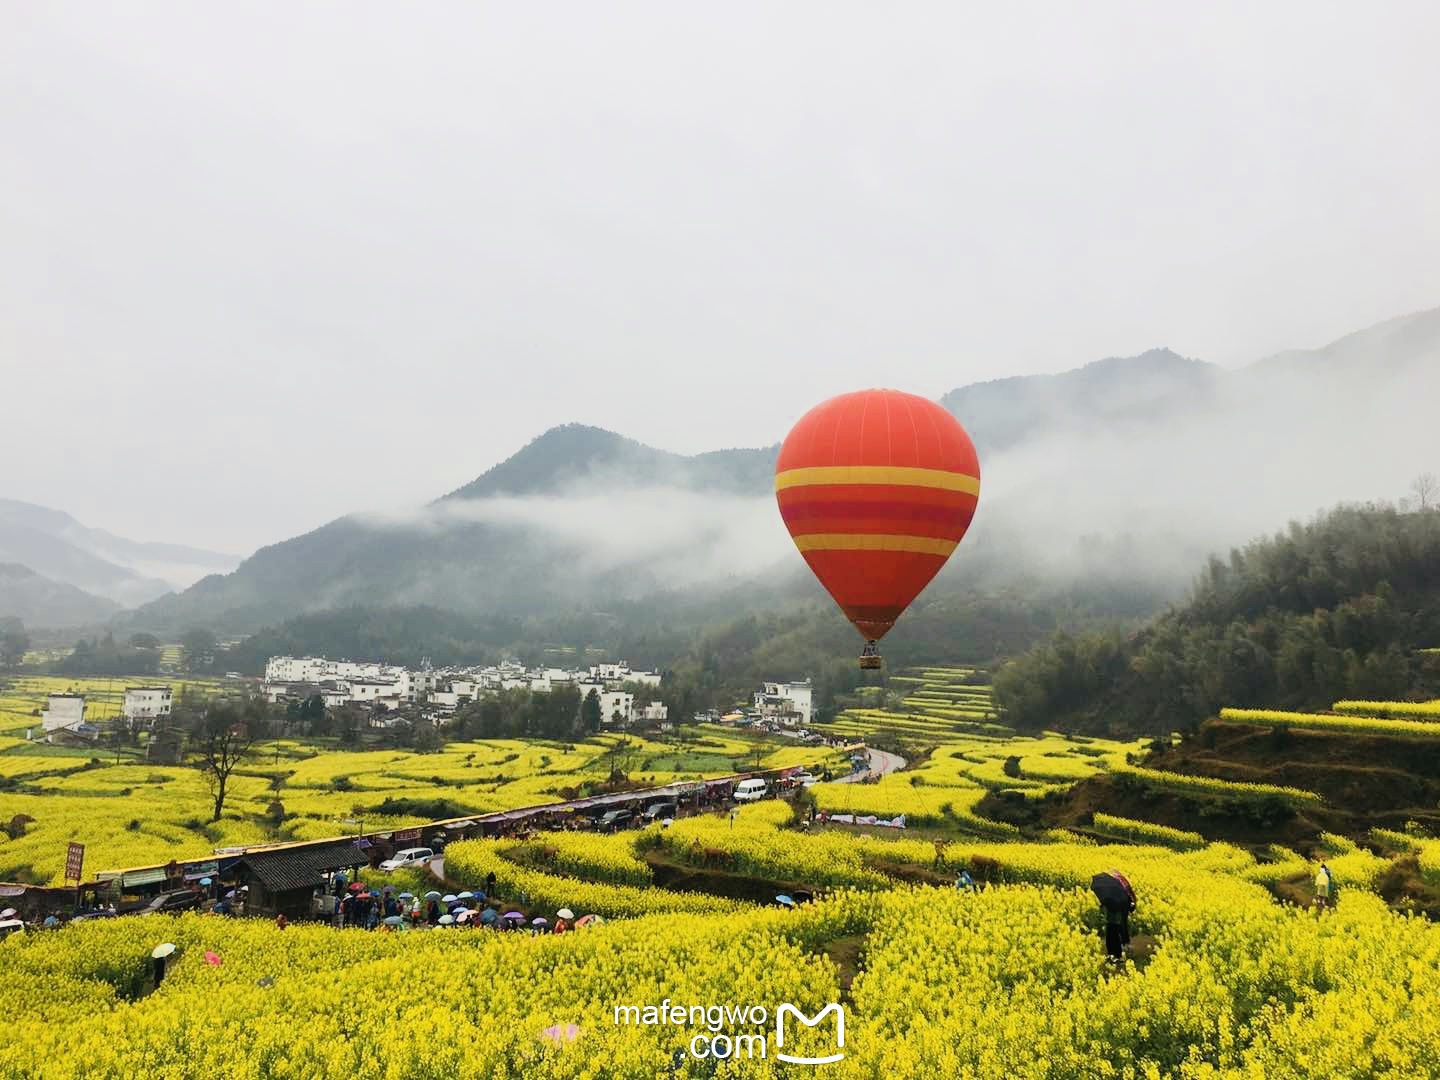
[
  {"x": 280, "y": 874},
  {"x": 392, "y": 695}
]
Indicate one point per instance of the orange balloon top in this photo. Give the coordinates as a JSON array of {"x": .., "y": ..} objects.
[
  {"x": 879, "y": 427},
  {"x": 877, "y": 488}
]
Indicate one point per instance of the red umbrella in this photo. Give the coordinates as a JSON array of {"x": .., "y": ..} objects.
[
  {"x": 212, "y": 959},
  {"x": 357, "y": 886}
]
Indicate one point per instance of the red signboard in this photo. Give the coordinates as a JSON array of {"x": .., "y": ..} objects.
[
  {"x": 74, "y": 860},
  {"x": 407, "y": 834}
]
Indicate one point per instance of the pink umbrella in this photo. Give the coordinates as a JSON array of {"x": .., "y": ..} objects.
[
  {"x": 213, "y": 959},
  {"x": 560, "y": 1034}
]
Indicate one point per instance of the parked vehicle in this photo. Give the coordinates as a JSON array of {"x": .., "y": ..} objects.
[
  {"x": 805, "y": 778},
  {"x": 407, "y": 857},
  {"x": 86, "y": 916},
  {"x": 172, "y": 901},
  {"x": 752, "y": 790},
  {"x": 612, "y": 820},
  {"x": 11, "y": 926},
  {"x": 659, "y": 810}
]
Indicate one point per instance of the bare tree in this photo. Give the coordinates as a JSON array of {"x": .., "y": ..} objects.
[
  {"x": 226, "y": 734},
  {"x": 1426, "y": 488}
]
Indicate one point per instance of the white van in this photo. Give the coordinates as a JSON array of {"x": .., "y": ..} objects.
[{"x": 752, "y": 790}]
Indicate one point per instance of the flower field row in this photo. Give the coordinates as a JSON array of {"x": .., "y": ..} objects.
[
  {"x": 591, "y": 856},
  {"x": 1402, "y": 710},
  {"x": 1123, "y": 828},
  {"x": 1209, "y": 785},
  {"x": 470, "y": 860},
  {"x": 1355, "y": 725}
]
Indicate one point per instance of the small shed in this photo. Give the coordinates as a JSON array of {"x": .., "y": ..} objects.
[{"x": 283, "y": 882}]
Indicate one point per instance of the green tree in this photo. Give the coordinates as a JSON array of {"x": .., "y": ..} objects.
[
  {"x": 590, "y": 718},
  {"x": 199, "y": 646},
  {"x": 227, "y": 732},
  {"x": 14, "y": 642}
]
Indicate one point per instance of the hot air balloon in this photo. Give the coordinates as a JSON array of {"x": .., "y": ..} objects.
[{"x": 877, "y": 489}]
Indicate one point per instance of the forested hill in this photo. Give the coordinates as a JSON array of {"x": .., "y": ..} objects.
[{"x": 1341, "y": 607}]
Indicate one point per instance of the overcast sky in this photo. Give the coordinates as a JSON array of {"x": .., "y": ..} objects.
[{"x": 263, "y": 264}]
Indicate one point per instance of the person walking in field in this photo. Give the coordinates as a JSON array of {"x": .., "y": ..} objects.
[
  {"x": 1324, "y": 888},
  {"x": 490, "y": 884},
  {"x": 1117, "y": 898}
]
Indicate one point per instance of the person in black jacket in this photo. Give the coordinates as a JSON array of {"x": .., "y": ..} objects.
[{"x": 1117, "y": 921}]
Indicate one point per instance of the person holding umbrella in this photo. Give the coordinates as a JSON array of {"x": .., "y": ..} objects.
[{"x": 1117, "y": 898}]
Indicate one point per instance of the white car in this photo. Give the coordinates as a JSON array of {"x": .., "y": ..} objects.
[
  {"x": 414, "y": 856},
  {"x": 805, "y": 779},
  {"x": 11, "y": 926}
]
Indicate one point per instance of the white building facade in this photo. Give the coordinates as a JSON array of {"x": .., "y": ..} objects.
[
  {"x": 63, "y": 711},
  {"x": 147, "y": 704},
  {"x": 789, "y": 703}
]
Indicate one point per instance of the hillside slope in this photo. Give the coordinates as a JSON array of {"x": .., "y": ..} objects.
[
  {"x": 1336, "y": 608},
  {"x": 39, "y": 602},
  {"x": 55, "y": 545}
]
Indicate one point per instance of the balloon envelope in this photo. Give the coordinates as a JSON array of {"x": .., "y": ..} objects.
[{"x": 877, "y": 488}]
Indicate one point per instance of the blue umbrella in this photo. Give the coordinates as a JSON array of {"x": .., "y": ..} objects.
[
  {"x": 488, "y": 916},
  {"x": 407, "y": 896},
  {"x": 785, "y": 901},
  {"x": 466, "y": 895}
]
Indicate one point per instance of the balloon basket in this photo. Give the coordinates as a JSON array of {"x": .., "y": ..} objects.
[{"x": 870, "y": 659}]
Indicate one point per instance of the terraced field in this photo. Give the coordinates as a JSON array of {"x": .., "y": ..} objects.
[{"x": 132, "y": 813}]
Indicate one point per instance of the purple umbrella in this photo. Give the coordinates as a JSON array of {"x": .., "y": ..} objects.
[
  {"x": 560, "y": 1034},
  {"x": 514, "y": 915}
]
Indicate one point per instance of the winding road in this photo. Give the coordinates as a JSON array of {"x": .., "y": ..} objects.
[{"x": 881, "y": 761}]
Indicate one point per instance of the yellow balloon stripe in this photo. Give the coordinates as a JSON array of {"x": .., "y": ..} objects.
[
  {"x": 899, "y": 475},
  {"x": 925, "y": 545}
]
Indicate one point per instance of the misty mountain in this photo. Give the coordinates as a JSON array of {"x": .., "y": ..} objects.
[
  {"x": 1004, "y": 413},
  {"x": 1124, "y": 470},
  {"x": 574, "y": 455},
  {"x": 128, "y": 572},
  {"x": 39, "y": 602}
]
